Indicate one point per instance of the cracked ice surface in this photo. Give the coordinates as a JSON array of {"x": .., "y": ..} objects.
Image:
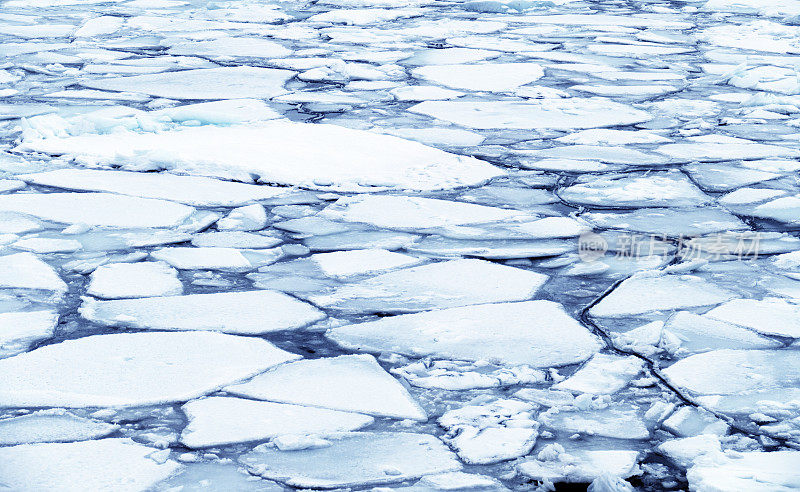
[{"x": 480, "y": 245}]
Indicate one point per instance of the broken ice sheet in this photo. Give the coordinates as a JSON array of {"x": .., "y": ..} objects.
[
  {"x": 19, "y": 331},
  {"x": 352, "y": 383},
  {"x": 104, "y": 464},
  {"x": 356, "y": 459},
  {"x": 490, "y": 433},
  {"x": 55, "y": 425},
  {"x": 436, "y": 285},
  {"x": 253, "y": 312},
  {"x": 217, "y": 421},
  {"x": 142, "y": 279},
  {"x": 535, "y": 333},
  {"x": 132, "y": 369}
]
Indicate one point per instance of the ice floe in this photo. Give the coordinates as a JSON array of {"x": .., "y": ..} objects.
[
  {"x": 351, "y": 383},
  {"x": 130, "y": 369},
  {"x": 252, "y": 312},
  {"x": 536, "y": 333},
  {"x": 370, "y": 161},
  {"x": 217, "y": 421},
  {"x": 437, "y": 285},
  {"x": 358, "y": 459}
]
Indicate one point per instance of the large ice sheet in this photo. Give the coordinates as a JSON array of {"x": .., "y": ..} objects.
[
  {"x": 252, "y": 312},
  {"x": 340, "y": 158},
  {"x": 98, "y": 209},
  {"x": 18, "y": 331},
  {"x": 559, "y": 114},
  {"x": 132, "y": 369},
  {"x": 535, "y": 333},
  {"x": 54, "y": 425},
  {"x": 26, "y": 271},
  {"x": 352, "y": 383},
  {"x": 437, "y": 285},
  {"x": 205, "y": 83},
  {"x": 107, "y": 465},
  {"x": 412, "y": 212},
  {"x": 490, "y": 77},
  {"x": 217, "y": 421},
  {"x": 642, "y": 294},
  {"x": 143, "y": 279},
  {"x": 359, "y": 459},
  {"x": 191, "y": 190}
]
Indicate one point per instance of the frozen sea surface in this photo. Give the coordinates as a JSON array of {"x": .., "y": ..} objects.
[{"x": 412, "y": 245}]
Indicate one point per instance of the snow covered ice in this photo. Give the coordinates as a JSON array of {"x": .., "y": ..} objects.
[{"x": 481, "y": 245}]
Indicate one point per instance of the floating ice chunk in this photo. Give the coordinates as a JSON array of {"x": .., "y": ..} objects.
[
  {"x": 412, "y": 213},
  {"x": 605, "y": 136},
  {"x": 47, "y": 245},
  {"x": 142, "y": 279},
  {"x": 644, "y": 294},
  {"x": 770, "y": 316},
  {"x": 214, "y": 477},
  {"x": 218, "y": 421},
  {"x": 613, "y": 155},
  {"x": 490, "y": 249},
  {"x": 458, "y": 481},
  {"x": 702, "y": 333},
  {"x": 99, "y": 26},
  {"x": 463, "y": 375},
  {"x": 18, "y": 331},
  {"x": 245, "y": 47},
  {"x": 769, "y": 36},
  {"x": 679, "y": 222},
  {"x": 490, "y": 77},
  {"x": 484, "y": 434},
  {"x": 361, "y": 262},
  {"x": 359, "y": 17},
  {"x": 26, "y": 271},
  {"x": 437, "y": 285},
  {"x": 191, "y": 190},
  {"x": 253, "y": 312},
  {"x": 234, "y": 239},
  {"x": 669, "y": 189},
  {"x": 618, "y": 421},
  {"x": 356, "y": 460},
  {"x": 776, "y": 8},
  {"x": 745, "y": 196},
  {"x": 133, "y": 369},
  {"x": 784, "y": 209},
  {"x": 728, "y": 372},
  {"x": 581, "y": 466},
  {"x": 720, "y": 177},
  {"x": 558, "y": 114},
  {"x": 603, "y": 374},
  {"x": 205, "y": 83},
  {"x": 627, "y": 91},
  {"x": 449, "y": 56},
  {"x": 368, "y": 162},
  {"x": 694, "y": 421},
  {"x": 618, "y": 21},
  {"x": 754, "y": 471},
  {"x": 351, "y": 383},
  {"x": 97, "y": 209},
  {"x": 424, "y": 93},
  {"x": 51, "y": 426},
  {"x": 226, "y": 259},
  {"x": 360, "y": 240},
  {"x": 225, "y": 112},
  {"x": 452, "y": 137},
  {"x": 16, "y": 223},
  {"x": 250, "y": 218},
  {"x": 711, "y": 148},
  {"x": 118, "y": 465},
  {"x": 686, "y": 451},
  {"x": 535, "y": 333}
]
